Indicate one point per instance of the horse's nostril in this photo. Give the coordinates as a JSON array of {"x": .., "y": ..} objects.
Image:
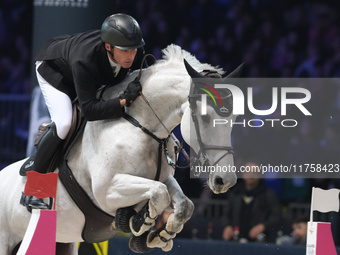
[{"x": 219, "y": 181}]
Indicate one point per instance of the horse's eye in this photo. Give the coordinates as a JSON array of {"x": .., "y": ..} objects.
[{"x": 206, "y": 118}]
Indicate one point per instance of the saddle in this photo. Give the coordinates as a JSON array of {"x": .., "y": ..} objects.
[{"x": 98, "y": 224}]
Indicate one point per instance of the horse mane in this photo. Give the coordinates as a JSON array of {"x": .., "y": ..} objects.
[
  {"x": 173, "y": 57},
  {"x": 175, "y": 54}
]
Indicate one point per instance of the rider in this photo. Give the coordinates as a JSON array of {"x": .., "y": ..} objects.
[{"x": 75, "y": 66}]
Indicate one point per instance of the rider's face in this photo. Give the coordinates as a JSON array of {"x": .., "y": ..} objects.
[{"x": 124, "y": 57}]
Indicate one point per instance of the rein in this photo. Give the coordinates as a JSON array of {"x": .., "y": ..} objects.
[
  {"x": 179, "y": 147},
  {"x": 162, "y": 142},
  {"x": 143, "y": 96},
  {"x": 162, "y": 145}
]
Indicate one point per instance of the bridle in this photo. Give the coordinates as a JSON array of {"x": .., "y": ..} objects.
[{"x": 201, "y": 159}]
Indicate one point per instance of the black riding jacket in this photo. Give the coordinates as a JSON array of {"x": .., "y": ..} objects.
[{"x": 78, "y": 65}]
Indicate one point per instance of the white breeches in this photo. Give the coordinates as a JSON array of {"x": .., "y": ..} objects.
[{"x": 58, "y": 103}]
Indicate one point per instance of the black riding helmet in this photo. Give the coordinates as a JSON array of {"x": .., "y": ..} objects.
[{"x": 122, "y": 31}]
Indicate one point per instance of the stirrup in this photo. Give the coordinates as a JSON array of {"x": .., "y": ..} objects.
[{"x": 32, "y": 202}]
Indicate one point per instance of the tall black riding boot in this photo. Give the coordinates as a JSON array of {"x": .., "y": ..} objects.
[{"x": 48, "y": 146}]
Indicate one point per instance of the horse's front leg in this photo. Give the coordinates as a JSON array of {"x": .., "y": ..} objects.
[
  {"x": 128, "y": 191},
  {"x": 183, "y": 209}
]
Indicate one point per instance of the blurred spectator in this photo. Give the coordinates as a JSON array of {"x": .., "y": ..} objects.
[
  {"x": 329, "y": 154},
  {"x": 296, "y": 190},
  {"x": 275, "y": 39},
  {"x": 298, "y": 235},
  {"x": 305, "y": 140},
  {"x": 285, "y": 38},
  {"x": 330, "y": 143},
  {"x": 254, "y": 213},
  {"x": 15, "y": 43},
  {"x": 299, "y": 225}
]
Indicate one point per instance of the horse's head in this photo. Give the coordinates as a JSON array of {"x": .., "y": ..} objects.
[
  {"x": 166, "y": 86},
  {"x": 210, "y": 140}
]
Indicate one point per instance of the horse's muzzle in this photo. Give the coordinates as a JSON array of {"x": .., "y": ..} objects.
[{"x": 221, "y": 185}]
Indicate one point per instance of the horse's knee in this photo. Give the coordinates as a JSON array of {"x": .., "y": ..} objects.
[
  {"x": 185, "y": 210},
  {"x": 160, "y": 197},
  {"x": 182, "y": 213}
]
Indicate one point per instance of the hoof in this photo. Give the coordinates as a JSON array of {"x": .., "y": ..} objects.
[
  {"x": 138, "y": 244},
  {"x": 122, "y": 220}
]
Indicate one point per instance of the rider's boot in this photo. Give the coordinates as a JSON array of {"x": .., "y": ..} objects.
[{"x": 48, "y": 146}]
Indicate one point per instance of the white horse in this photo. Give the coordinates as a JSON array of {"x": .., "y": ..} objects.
[{"x": 115, "y": 162}]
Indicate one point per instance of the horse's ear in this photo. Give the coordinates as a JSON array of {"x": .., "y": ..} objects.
[
  {"x": 236, "y": 73},
  {"x": 191, "y": 71}
]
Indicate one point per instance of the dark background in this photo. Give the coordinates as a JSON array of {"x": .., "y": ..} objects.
[{"x": 275, "y": 38}]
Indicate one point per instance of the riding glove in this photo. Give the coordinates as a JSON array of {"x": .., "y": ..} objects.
[{"x": 131, "y": 92}]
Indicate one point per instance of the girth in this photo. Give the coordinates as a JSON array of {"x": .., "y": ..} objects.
[{"x": 98, "y": 224}]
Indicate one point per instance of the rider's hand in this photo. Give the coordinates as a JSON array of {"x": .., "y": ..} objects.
[
  {"x": 132, "y": 92},
  {"x": 228, "y": 233},
  {"x": 255, "y": 231}
]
